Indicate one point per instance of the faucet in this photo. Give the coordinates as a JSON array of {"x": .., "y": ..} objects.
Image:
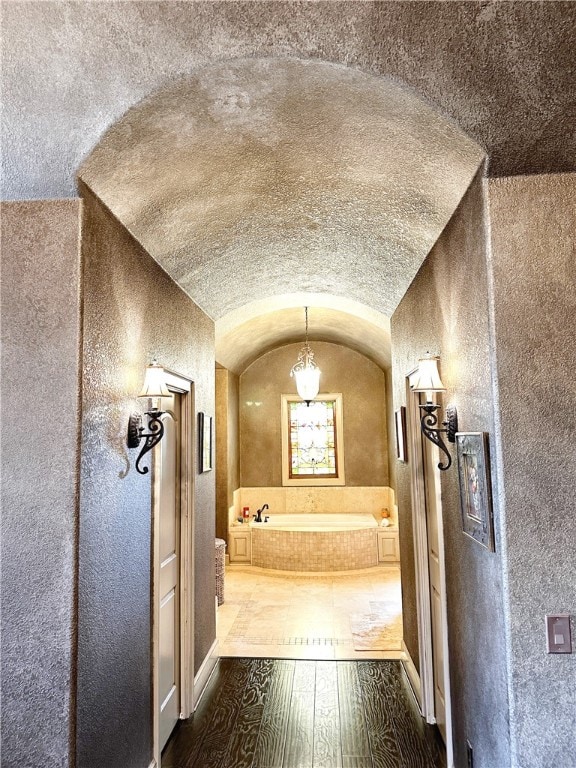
[{"x": 258, "y": 516}]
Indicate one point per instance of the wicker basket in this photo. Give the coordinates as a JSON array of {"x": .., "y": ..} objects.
[{"x": 220, "y": 559}]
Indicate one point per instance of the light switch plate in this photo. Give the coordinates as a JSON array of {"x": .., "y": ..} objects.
[{"x": 558, "y": 638}]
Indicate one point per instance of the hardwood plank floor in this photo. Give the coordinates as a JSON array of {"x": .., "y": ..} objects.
[
  {"x": 279, "y": 713},
  {"x": 353, "y": 733}
]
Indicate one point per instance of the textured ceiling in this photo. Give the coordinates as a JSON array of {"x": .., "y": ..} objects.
[
  {"x": 260, "y": 326},
  {"x": 503, "y": 72},
  {"x": 260, "y": 178}
]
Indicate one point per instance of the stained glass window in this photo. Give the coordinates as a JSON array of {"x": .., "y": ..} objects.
[{"x": 312, "y": 439}]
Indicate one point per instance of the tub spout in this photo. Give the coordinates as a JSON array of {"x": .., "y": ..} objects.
[{"x": 258, "y": 517}]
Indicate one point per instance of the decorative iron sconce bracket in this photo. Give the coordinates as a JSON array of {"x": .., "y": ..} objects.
[
  {"x": 136, "y": 434},
  {"x": 428, "y": 422}
]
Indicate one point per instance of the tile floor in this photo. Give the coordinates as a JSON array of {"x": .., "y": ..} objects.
[{"x": 294, "y": 615}]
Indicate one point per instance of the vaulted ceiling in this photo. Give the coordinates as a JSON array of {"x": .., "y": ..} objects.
[
  {"x": 260, "y": 178},
  {"x": 271, "y": 155}
]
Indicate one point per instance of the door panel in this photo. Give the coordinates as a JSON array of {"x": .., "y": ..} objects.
[{"x": 167, "y": 569}]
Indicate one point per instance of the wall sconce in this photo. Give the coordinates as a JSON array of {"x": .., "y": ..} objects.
[
  {"x": 427, "y": 379},
  {"x": 305, "y": 371},
  {"x": 154, "y": 387}
]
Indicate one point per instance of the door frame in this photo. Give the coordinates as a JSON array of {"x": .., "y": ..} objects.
[
  {"x": 422, "y": 566},
  {"x": 183, "y": 386}
]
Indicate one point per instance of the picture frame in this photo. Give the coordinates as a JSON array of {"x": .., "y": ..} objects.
[
  {"x": 400, "y": 423},
  {"x": 475, "y": 488},
  {"x": 205, "y": 438}
]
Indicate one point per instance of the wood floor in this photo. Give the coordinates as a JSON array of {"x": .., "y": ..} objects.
[{"x": 279, "y": 713}]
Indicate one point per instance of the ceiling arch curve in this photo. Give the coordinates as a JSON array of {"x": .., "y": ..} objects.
[
  {"x": 245, "y": 334},
  {"x": 259, "y": 179}
]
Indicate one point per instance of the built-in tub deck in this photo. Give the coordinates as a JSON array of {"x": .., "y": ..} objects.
[
  {"x": 315, "y": 542},
  {"x": 318, "y": 521}
]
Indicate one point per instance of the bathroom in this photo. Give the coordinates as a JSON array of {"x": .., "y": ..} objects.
[{"x": 249, "y": 473}]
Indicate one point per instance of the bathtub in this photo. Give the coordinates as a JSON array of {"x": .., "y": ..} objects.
[{"x": 315, "y": 542}]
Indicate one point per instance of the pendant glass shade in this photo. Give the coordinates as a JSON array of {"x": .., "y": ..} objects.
[
  {"x": 307, "y": 375},
  {"x": 306, "y": 372},
  {"x": 154, "y": 382}
]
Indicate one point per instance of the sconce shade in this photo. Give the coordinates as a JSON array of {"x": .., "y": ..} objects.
[
  {"x": 427, "y": 378},
  {"x": 154, "y": 382}
]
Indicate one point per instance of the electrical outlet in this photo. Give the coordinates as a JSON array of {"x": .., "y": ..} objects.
[
  {"x": 558, "y": 639},
  {"x": 470, "y": 754}
]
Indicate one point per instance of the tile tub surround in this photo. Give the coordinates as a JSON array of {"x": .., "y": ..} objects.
[{"x": 312, "y": 549}]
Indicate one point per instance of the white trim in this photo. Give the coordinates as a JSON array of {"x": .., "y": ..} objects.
[
  {"x": 184, "y": 386},
  {"x": 203, "y": 674},
  {"x": 153, "y": 764},
  {"x": 187, "y": 496},
  {"x": 423, "y": 607},
  {"x": 444, "y": 609},
  {"x": 177, "y": 382},
  {"x": 412, "y": 675},
  {"x": 339, "y": 433},
  {"x": 418, "y": 482}
]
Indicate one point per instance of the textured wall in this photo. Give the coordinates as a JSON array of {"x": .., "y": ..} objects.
[
  {"x": 227, "y": 447},
  {"x": 40, "y": 373},
  {"x": 446, "y": 311},
  {"x": 132, "y": 313},
  {"x": 363, "y": 388},
  {"x": 72, "y": 69},
  {"x": 533, "y": 227}
]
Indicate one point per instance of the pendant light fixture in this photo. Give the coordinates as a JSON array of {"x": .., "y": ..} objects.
[{"x": 306, "y": 372}]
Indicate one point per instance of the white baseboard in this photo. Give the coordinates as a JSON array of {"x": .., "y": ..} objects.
[
  {"x": 413, "y": 676},
  {"x": 203, "y": 674}
]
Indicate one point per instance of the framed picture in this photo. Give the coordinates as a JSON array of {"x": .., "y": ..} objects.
[
  {"x": 205, "y": 441},
  {"x": 400, "y": 416},
  {"x": 475, "y": 490}
]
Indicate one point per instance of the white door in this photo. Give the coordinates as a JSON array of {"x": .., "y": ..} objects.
[
  {"x": 435, "y": 570},
  {"x": 433, "y": 678},
  {"x": 167, "y": 571}
]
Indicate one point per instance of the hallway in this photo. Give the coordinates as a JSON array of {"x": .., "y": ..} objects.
[
  {"x": 278, "y": 713},
  {"x": 219, "y": 187}
]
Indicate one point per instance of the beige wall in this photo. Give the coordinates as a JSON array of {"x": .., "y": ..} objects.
[
  {"x": 391, "y": 427},
  {"x": 227, "y": 447},
  {"x": 363, "y": 387}
]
